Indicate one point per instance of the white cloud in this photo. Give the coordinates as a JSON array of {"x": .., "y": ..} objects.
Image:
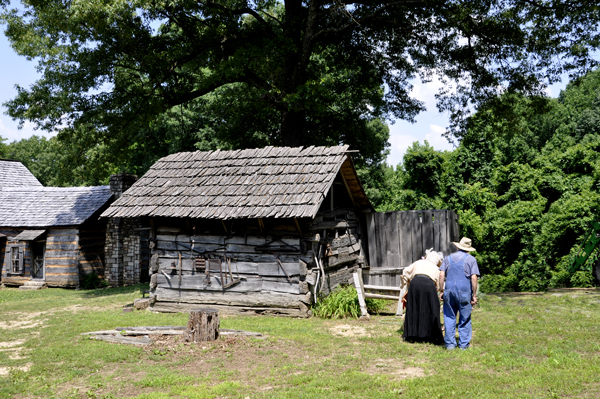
[
  {"x": 403, "y": 135},
  {"x": 399, "y": 143},
  {"x": 10, "y": 131},
  {"x": 426, "y": 92},
  {"x": 437, "y": 140}
]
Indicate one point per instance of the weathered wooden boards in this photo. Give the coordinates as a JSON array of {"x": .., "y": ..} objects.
[
  {"x": 273, "y": 274},
  {"x": 397, "y": 239},
  {"x": 365, "y": 291},
  {"x": 141, "y": 335},
  {"x": 62, "y": 258},
  {"x": 203, "y": 325}
]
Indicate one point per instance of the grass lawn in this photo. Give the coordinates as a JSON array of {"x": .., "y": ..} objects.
[{"x": 524, "y": 346}]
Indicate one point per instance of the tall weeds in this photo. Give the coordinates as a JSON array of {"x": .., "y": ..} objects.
[{"x": 343, "y": 302}]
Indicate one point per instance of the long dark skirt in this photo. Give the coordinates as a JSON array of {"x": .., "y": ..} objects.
[{"x": 422, "y": 319}]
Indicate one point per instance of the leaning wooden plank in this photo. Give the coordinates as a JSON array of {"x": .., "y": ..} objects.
[
  {"x": 379, "y": 296},
  {"x": 381, "y": 288},
  {"x": 360, "y": 291},
  {"x": 119, "y": 339},
  {"x": 400, "y": 308}
]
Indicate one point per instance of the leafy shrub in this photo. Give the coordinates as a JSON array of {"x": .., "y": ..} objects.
[
  {"x": 583, "y": 279},
  {"x": 92, "y": 282},
  {"x": 343, "y": 302},
  {"x": 499, "y": 283}
]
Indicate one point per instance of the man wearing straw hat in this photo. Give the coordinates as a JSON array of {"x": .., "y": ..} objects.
[{"x": 460, "y": 272}]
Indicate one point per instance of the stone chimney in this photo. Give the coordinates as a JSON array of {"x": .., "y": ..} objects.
[
  {"x": 122, "y": 240},
  {"x": 119, "y": 183}
]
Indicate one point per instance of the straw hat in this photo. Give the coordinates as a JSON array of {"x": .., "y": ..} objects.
[{"x": 464, "y": 244}]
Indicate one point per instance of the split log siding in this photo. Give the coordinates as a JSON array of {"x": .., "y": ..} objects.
[
  {"x": 62, "y": 257},
  {"x": 266, "y": 285}
]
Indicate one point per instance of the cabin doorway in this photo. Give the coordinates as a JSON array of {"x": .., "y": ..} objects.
[{"x": 38, "y": 264}]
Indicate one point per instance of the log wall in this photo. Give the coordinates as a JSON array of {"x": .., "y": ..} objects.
[
  {"x": 62, "y": 257},
  {"x": 279, "y": 262}
]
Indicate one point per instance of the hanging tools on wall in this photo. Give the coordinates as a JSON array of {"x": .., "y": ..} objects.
[{"x": 200, "y": 263}]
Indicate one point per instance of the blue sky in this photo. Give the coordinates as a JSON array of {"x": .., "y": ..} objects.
[{"x": 430, "y": 125}]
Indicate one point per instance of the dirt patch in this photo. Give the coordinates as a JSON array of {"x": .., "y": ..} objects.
[
  {"x": 7, "y": 370},
  {"x": 12, "y": 344},
  {"x": 24, "y": 320},
  {"x": 346, "y": 330},
  {"x": 394, "y": 368}
]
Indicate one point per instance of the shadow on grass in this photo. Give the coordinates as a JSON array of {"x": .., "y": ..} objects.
[{"x": 130, "y": 289}]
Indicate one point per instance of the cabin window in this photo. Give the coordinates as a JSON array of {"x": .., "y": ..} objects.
[{"x": 16, "y": 260}]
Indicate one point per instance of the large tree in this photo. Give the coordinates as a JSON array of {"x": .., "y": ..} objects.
[{"x": 285, "y": 72}]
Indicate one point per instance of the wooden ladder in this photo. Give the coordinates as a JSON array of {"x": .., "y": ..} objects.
[{"x": 375, "y": 292}]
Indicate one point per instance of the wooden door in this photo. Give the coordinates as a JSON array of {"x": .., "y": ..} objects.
[{"x": 38, "y": 251}]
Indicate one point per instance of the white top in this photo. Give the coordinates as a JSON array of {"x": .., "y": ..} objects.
[{"x": 423, "y": 267}]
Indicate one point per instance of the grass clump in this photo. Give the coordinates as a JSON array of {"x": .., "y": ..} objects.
[{"x": 343, "y": 302}]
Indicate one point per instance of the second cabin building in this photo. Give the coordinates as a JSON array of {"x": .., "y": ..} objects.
[{"x": 259, "y": 230}]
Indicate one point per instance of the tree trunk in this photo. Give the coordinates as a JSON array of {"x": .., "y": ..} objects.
[{"x": 203, "y": 325}]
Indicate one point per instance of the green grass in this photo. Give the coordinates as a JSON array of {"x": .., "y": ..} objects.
[{"x": 524, "y": 346}]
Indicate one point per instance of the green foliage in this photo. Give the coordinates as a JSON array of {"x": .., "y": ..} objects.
[
  {"x": 343, "y": 302},
  {"x": 128, "y": 82},
  {"x": 499, "y": 283},
  {"x": 582, "y": 279},
  {"x": 91, "y": 281},
  {"x": 525, "y": 182}
]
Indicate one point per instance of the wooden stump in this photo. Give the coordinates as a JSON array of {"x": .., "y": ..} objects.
[{"x": 203, "y": 325}]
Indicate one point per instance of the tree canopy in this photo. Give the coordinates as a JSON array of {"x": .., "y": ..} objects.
[
  {"x": 525, "y": 184},
  {"x": 281, "y": 72}
]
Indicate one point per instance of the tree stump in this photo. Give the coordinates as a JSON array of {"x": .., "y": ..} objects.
[{"x": 203, "y": 325}]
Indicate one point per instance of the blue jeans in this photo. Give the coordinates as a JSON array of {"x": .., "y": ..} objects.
[{"x": 457, "y": 302}]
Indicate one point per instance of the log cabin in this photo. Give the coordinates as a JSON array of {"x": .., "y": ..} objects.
[
  {"x": 51, "y": 236},
  {"x": 265, "y": 231}
]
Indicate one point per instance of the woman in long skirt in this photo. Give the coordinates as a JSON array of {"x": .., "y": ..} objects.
[{"x": 422, "y": 320}]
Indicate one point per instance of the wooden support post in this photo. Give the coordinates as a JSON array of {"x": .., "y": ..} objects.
[
  {"x": 298, "y": 227},
  {"x": 348, "y": 188},
  {"x": 203, "y": 325},
  {"x": 224, "y": 227},
  {"x": 400, "y": 308},
  {"x": 261, "y": 225},
  {"x": 360, "y": 290}
]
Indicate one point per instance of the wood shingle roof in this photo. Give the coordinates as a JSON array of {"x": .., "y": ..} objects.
[
  {"x": 15, "y": 174},
  {"x": 277, "y": 182},
  {"x": 50, "y": 206}
]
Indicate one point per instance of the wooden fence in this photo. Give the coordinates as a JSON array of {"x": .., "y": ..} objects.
[{"x": 397, "y": 239}]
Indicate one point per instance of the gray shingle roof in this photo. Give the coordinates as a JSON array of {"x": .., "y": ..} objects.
[
  {"x": 29, "y": 235},
  {"x": 15, "y": 174},
  {"x": 50, "y": 206},
  {"x": 272, "y": 182}
]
